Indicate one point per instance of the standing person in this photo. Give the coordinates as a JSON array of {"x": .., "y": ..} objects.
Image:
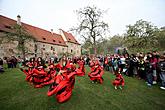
[
  {"x": 115, "y": 64},
  {"x": 122, "y": 65},
  {"x": 124, "y": 51},
  {"x": 20, "y": 61},
  {"x": 14, "y": 61},
  {"x": 154, "y": 62},
  {"x": 1, "y": 62},
  {"x": 106, "y": 66},
  {"x": 9, "y": 62},
  {"x": 127, "y": 65},
  {"x": 161, "y": 66},
  {"x": 88, "y": 60},
  {"x": 134, "y": 64},
  {"x": 1, "y": 65},
  {"x": 81, "y": 69},
  {"x": 141, "y": 66},
  {"x": 55, "y": 58},
  {"x": 149, "y": 72}
]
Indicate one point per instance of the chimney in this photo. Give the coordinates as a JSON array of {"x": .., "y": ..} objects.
[
  {"x": 51, "y": 30},
  {"x": 18, "y": 19}
]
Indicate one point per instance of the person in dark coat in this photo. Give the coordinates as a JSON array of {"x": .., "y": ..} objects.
[{"x": 1, "y": 65}]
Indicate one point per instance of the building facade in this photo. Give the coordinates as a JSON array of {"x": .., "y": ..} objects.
[{"x": 47, "y": 43}]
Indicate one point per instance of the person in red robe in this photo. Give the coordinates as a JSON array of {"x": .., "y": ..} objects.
[
  {"x": 96, "y": 72},
  {"x": 64, "y": 81},
  {"x": 80, "y": 71},
  {"x": 119, "y": 81},
  {"x": 36, "y": 74}
]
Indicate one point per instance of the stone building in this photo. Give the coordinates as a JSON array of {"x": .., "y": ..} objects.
[{"x": 47, "y": 43}]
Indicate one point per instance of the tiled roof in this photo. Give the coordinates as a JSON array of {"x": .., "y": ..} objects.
[
  {"x": 40, "y": 34},
  {"x": 70, "y": 37}
]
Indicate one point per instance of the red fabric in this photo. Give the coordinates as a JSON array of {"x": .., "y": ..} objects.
[
  {"x": 38, "y": 76},
  {"x": 63, "y": 83},
  {"x": 80, "y": 71},
  {"x": 106, "y": 60},
  {"x": 154, "y": 62},
  {"x": 119, "y": 80},
  {"x": 96, "y": 72}
]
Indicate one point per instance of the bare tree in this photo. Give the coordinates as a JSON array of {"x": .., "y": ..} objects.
[{"x": 91, "y": 27}]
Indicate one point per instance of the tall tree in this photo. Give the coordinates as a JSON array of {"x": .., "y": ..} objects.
[
  {"x": 141, "y": 36},
  {"x": 19, "y": 34},
  {"x": 91, "y": 27},
  {"x": 161, "y": 38}
]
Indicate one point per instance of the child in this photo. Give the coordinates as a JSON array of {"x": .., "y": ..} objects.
[
  {"x": 119, "y": 81},
  {"x": 162, "y": 71}
]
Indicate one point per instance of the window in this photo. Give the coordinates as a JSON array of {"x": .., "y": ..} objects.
[
  {"x": 71, "y": 50},
  {"x": 35, "y": 47},
  {"x": 69, "y": 38},
  {"x": 63, "y": 49},
  {"x": 43, "y": 45},
  {"x": 9, "y": 27},
  {"x": 59, "y": 41},
  {"x": 44, "y": 38},
  {"x": 1, "y": 31},
  {"x": 11, "y": 50},
  {"x": 54, "y": 40},
  {"x": 51, "y": 48}
]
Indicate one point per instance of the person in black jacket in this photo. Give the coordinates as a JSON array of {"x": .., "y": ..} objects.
[
  {"x": 161, "y": 66},
  {"x": 148, "y": 69},
  {"x": 1, "y": 65},
  {"x": 1, "y": 62}
]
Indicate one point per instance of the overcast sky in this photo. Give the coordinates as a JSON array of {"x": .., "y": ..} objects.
[{"x": 55, "y": 14}]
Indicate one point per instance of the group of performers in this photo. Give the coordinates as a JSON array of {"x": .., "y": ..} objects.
[{"x": 61, "y": 77}]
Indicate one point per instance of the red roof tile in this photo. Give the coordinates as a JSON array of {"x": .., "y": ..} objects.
[
  {"x": 40, "y": 34},
  {"x": 70, "y": 37}
]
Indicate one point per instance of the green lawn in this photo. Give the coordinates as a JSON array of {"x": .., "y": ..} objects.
[{"x": 17, "y": 94}]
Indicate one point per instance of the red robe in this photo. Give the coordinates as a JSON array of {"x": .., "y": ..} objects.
[
  {"x": 37, "y": 75},
  {"x": 63, "y": 83},
  {"x": 80, "y": 71},
  {"x": 119, "y": 80},
  {"x": 96, "y": 72}
]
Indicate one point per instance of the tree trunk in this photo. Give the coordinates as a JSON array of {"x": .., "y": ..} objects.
[{"x": 94, "y": 44}]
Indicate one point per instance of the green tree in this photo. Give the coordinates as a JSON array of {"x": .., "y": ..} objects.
[
  {"x": 115, "y": 41},
  {"x": 161, "y": 38},
  {"x": 141, "y": 36},
  {"x": 19, "y": 34},
  {"x": 91, "y": 27}
]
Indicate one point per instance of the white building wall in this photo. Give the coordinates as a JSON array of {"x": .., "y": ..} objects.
[
  {"x": 44, "y": 49},
  {"x": 74, "y": 49}
]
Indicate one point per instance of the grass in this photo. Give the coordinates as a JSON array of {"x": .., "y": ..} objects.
[{"x": 17, "y": 94}]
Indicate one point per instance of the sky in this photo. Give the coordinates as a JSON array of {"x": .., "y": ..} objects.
[{"x": 60, "y": 14}]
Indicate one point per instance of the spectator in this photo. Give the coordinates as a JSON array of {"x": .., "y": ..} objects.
[
  {"x": 154, "y": 62},
  {"x": 1, "y": 66},
  {"x": 14, "y": 61},
  {"x": 1, "y": 62},
  {"x": 162, "y": 71},
  {"x": 148, "y": 68}
]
